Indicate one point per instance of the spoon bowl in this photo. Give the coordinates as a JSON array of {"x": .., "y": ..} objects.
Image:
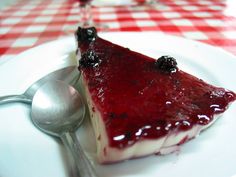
[{"x": 58, "y": 110}]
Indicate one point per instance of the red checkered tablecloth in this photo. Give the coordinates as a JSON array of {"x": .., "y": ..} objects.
[{"x": 26, "y": 23}]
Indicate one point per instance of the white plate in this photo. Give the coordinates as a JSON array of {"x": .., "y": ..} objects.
[{"x": 27, "y": 152}]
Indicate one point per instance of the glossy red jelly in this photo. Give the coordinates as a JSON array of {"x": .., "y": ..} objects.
[{"x": 138, "y": 101}]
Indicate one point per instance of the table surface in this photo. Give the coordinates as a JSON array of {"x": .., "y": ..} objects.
[{"x": 26, "y": 23}]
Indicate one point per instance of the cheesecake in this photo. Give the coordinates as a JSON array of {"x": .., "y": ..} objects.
[{"x": 139, "y": 105}]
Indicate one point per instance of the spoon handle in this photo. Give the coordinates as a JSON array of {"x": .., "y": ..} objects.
[
  {"x": 14, "y": 98},
  {"x": 83, "y": 165}
]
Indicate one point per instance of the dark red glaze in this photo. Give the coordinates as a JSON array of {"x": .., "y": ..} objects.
[{"x": 138, "y": 101}]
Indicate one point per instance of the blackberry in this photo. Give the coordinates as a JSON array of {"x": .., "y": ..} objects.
[
  {"x": 89, "y": 59},
  {"x": 166, "y": 63},
  {"x": 86, "y": 34}
]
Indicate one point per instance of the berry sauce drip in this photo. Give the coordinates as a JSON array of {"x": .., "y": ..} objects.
[{"x": 138, "y": 100}]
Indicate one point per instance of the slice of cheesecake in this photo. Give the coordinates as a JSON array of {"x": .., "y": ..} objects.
[{"x": 139, "y": 105}]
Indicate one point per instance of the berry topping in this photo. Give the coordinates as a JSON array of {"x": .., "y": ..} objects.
[
  {"x": 86, "y": 34},
  {"x": 89, "y": 59},
  {"x": 166, "y": 63}
]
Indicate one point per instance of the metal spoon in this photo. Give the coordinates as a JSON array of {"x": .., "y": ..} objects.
[
  {"x": 69, "y": 74},
  {"x": 58, "y": 109}
]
